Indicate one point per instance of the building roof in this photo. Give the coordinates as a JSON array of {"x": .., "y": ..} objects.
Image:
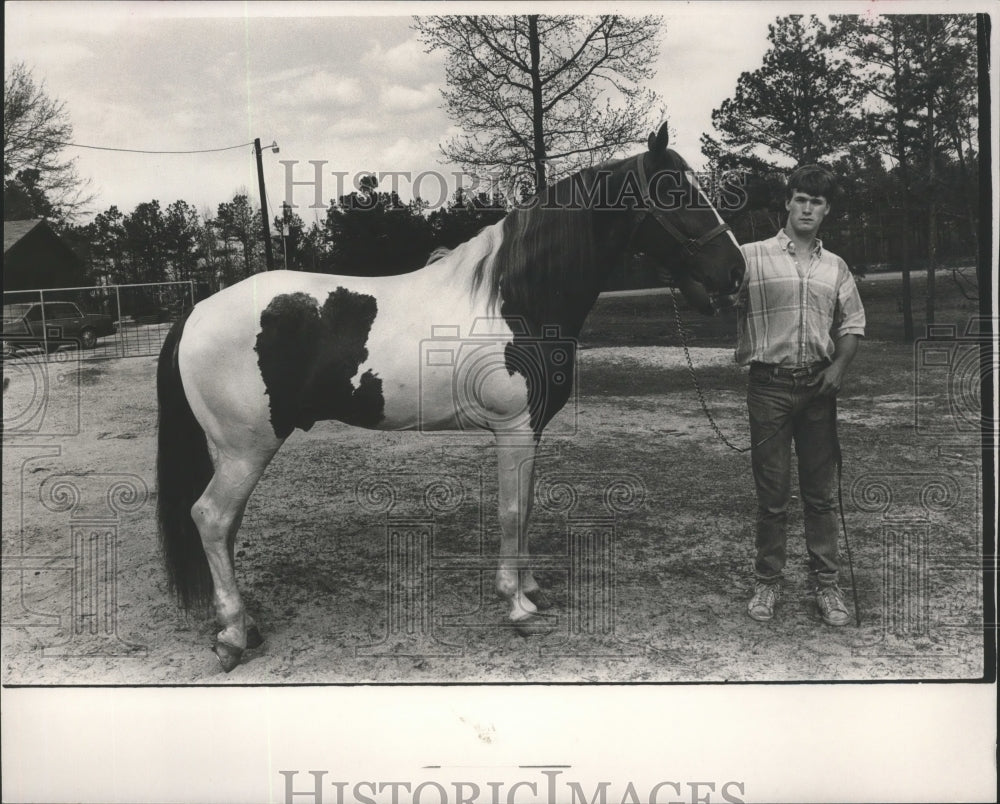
[
  {"x": 35, "y": 256},
  {"x": 15, "y": 231}
]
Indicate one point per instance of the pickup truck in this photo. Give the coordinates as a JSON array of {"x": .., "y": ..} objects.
[{"x": 28, "y": 324}]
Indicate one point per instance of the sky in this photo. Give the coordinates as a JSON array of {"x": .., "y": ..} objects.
[{"x": 355, "y": 92}]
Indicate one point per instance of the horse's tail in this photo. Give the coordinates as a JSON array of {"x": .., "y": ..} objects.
[{"x": 183, "y": 470}]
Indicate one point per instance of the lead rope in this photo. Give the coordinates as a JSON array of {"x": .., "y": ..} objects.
[
  {"x": 840, "y": 502},
  {"x": 682, "y": 334}
]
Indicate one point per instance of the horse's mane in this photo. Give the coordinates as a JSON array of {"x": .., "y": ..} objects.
[
  {"x": 547, "y": 247},
  {"x": 457, "y": 253},
  {"x": 547, "y": 252}
]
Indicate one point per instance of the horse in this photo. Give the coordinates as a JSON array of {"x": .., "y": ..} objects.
[{"x": 284, "y": 349}]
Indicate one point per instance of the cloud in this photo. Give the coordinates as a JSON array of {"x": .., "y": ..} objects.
[
  {"x": 317, "y": 88},
  {"x": 59, "y": 55},
  {"x": 353, "y": 126},
  {"x": 406, "y": 58},
  {"x": 186, "y": 120},
  {"x": 228, "y": 65},
  {"x": 398, "y": 98},
  {"x": 407, "y": 154}
]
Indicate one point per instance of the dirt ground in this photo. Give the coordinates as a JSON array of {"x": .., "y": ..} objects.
[{"x": 370, "y": 557}]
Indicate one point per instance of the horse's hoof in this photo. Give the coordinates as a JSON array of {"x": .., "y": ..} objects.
[
  {"x": 254, "y": 639},
  {"x": 229, "y": 655},
  {"x": 541, "y": 601},
  {"x": 539, "y": 598},
  {"x": 534, "y": 625}
]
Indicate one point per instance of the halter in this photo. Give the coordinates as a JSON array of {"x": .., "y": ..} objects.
[{"x": 689, "y": 245}]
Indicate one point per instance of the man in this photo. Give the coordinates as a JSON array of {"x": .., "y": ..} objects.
[{"x": 799, "y": 320}]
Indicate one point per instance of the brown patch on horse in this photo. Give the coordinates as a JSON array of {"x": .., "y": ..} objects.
[{"x": 309, "y": 354}]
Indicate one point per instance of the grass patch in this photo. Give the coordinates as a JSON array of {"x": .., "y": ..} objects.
[
  {"x": 881, "y": 369},
  {"x": 621, "y": 380},
  {"x": 648, "y": 320},
  {"x": 90, "y": 375}
]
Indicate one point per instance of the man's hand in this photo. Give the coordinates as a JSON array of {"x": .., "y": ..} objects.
[{"x": 829, "y": 380}]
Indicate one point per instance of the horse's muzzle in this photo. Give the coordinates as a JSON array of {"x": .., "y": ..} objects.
[
  {"x": 724, "y": 302},
  {"x": 697, "y": 295}
]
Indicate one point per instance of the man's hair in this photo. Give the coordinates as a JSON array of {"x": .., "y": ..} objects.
[{"x": 815, "y": 180}]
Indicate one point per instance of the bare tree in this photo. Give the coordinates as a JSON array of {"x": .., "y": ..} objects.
[
  {"x": 538, "y": 97},
  {"x": 35, "y": 130}
]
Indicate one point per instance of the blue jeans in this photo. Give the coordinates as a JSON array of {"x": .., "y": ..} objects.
[{"x": 788, "y": 405}]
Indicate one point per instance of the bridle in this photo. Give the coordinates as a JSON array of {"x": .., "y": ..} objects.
[{"x": 689, "y": 245}]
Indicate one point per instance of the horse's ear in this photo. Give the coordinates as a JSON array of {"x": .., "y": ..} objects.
[{"x": 658, "y": 142}]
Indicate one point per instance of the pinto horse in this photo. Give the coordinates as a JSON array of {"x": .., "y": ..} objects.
[{"x": 285, "y": 349}]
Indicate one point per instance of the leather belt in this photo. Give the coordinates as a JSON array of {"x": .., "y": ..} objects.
[{"x": 791, "y": 371}]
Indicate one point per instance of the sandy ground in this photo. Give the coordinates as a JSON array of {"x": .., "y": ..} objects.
[{"x": 642, "y": 532}]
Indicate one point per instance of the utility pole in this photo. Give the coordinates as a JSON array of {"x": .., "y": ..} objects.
[
  {"x": 263, "y": 202},
  {"x": 285, "y": 231}
]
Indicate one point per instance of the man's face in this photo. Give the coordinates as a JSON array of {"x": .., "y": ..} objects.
[{"x": 806, "y": 212}]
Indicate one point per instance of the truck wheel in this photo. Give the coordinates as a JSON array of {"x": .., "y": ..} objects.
[{"x": 88, "y": 339}]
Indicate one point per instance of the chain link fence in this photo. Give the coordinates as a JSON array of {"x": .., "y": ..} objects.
[{"x": 101, "y": 321}]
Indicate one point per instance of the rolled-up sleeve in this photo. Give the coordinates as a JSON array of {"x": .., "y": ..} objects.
[{"x": 850, "y": 314}]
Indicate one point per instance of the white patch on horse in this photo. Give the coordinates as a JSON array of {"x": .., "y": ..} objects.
[{"x": 451, "y": 329}]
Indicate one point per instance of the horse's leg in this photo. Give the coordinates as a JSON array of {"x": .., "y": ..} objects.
[
  {"x": 254, "y": 638},
  {"x": 218, "y": 514},
  {"x": 529, "y": 586},
  {"x": 514, "y": 581}
]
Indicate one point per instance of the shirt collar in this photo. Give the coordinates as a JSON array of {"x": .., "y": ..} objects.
[{"x": 787, "y": 245}]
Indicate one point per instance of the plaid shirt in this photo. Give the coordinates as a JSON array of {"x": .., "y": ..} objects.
[{"x": 790, "y": 311}]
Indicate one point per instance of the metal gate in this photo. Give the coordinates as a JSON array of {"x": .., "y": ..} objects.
[{"x": 100, "y": 321}]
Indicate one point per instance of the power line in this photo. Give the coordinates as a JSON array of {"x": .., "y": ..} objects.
[{"x": 136, "y": 150}]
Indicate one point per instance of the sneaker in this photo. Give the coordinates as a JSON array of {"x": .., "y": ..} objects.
[
  {"x": 765, "y": 598},
  {"x": 830, "y": 601}
]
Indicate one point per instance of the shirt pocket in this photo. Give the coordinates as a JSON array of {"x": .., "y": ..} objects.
[{"x": 821, "y": 301}]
